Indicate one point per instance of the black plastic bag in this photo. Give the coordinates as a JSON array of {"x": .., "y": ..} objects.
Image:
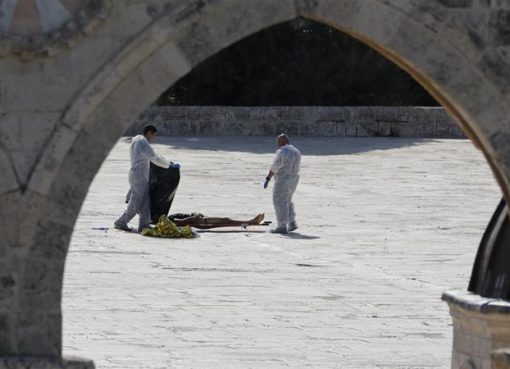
[{"x": 163, "y": 183}]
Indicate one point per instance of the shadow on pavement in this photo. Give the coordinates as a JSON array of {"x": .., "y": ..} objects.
[
  {"x": 300, "y": 236},
  {"x": 307, "y": 145}
]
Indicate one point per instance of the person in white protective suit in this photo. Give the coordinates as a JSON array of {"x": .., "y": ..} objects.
[
  {"x": 285, "y": 169},
  {"x": 142, "y": 155}
]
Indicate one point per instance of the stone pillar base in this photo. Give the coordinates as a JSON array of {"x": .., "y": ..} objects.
[
  {"x": 481, "y": 330},
  {"x": 23, "y": 362},
  {"x": 501, "y": 359}
]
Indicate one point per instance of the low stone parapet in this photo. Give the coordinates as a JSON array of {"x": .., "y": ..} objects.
[
  {"x": 501, "y": 359},
  {"x": 425, "y": 122},
  {"x": 481, "y": 331}
]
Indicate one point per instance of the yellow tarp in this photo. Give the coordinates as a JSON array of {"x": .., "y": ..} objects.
[{"x": 167, "y": 229}]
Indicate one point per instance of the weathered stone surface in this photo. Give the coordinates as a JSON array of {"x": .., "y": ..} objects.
[
  {"x": 35, "y": 333},
  {"x": 31, "y": 31},
  {"x": 9, "y": 182},
  {"x": 5, "y": 332},
  {"x": 51, "y": 159},
  {"x": 7, "y": 282},
  {"x": 38, "y": 92},
  {"x": 495, "y": 64},
  {"x": 229, "y": 22},
  {"x": 456, "y": 3},
  {"x": 16, "y": 211},
  {"x": 25, "y": 136},
  {"x": 499, "y": 25},
  {"x": 80, "y": 61}
]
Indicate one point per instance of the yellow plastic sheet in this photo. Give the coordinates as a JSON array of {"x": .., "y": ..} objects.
[{"x": 167, "y": 229}]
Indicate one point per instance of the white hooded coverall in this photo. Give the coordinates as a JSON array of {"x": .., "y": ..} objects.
[
  {"x": 142, "y": 155},
  {"x": 286, "y": 177}
]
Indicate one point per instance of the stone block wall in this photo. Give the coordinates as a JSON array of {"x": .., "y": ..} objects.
[
  {"x": 481, "y": 331},
  {"x": 426, "y": 122}
]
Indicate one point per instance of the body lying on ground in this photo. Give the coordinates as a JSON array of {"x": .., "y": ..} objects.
[{"x": 201, "y": 221}]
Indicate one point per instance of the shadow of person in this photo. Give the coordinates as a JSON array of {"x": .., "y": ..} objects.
[
  {"x": 300, "y": 236},
  {"x": 320, "y": 146}
]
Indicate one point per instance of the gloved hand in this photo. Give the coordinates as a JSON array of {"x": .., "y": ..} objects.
[
  {"x": 266, "y": 183},
  {"x": 175, "y": 165}
]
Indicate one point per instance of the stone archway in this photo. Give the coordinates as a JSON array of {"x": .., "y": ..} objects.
[{"x": 433, "y": 41}]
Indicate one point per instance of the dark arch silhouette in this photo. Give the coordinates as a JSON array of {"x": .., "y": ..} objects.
[{"x": 297, "y": 63}]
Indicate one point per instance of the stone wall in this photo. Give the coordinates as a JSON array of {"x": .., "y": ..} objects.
[
  {"x": 481, "y": 331},
  {"x": 299, "y": 121}
]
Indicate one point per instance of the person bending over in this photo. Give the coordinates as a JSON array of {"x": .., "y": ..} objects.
[{"x": 142, "y": 155}]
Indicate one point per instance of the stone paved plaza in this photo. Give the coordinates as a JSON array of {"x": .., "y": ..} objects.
[{"x": 386, "y": 225}]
